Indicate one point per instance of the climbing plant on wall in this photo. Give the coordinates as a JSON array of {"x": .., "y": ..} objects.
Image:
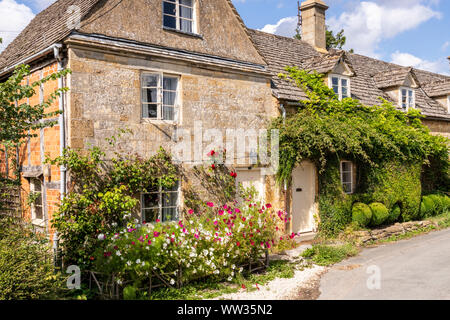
[{"x": 377, "y": 138}]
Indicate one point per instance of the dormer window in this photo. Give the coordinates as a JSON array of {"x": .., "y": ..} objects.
[
  {"x": 407, "y": 98},
  {"x": 179, "y": 15},
  {"x": 340, "y": 85}
]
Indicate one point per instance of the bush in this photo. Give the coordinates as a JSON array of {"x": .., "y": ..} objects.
[
  {"x": 361, "y": 214},
  {"x": 446, "y": 202},
  {"x": 427, "y": 207},
  {"x": 438, "y": 204},
  {"x": 379, "y": 213},
  {"x": 394, "y": 214},
  {"x": 211, "y": 244},
  {"x": 26, "y": 266}
]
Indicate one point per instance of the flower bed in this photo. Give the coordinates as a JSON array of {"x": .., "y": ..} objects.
[{"x": 217, "y": 243}]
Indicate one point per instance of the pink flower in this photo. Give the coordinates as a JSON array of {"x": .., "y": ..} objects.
[
  {"x": 158, "y": 221},
  {"x": 156, "y": 234},
  {"x": 210, "y": 204},
  {"x": 216, "y": 223},
  {"x": 268, "y": 206},
  {"x": 238, "y": 243},
  {"x": 196, "y": 236},
  {"x": 133, "y": 243},
  {"x": 149, "y": 242},
  {"x": 221, "y": 212},
  {"x": 252, "y": 242},
  {"x": 237, "y": 210},
  {"x": 191, "y": 211}
]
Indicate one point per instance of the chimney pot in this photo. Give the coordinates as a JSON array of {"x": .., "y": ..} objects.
[{"x": 313, "y": 24}]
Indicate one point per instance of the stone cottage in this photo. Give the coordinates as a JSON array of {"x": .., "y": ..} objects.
[{"x": 160, "y": 66}]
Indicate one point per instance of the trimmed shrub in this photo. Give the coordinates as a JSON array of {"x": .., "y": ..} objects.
[
  {"x": 428, "y": 207},
  {"x": 394, "y": 214},
  {"x": 361, "y": 214},
  {"x": 379, "y": 213}
]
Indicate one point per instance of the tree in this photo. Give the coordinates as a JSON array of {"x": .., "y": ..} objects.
[{"x": 17, "y": 117}]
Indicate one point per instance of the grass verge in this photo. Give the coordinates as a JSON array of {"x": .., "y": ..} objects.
[{"x": 326, "y": 255}]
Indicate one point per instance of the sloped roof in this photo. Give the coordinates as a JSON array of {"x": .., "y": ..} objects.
[
  {"x": 48, "y": 27},
  {"x": 394, "y": 77},
  {"x": 51, "y": 26},
  {"x": 438, "y": 88},
  {"x": 371, "y": 75},
  {"x": 326, "y": 63},
  {"x": 280, "y": 52}
]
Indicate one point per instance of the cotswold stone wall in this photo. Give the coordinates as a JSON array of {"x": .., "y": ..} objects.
[
  {"x": 105, "y": 96},
  {"x": 438, "y": 127},
  {"x": 394, "y": 230}
]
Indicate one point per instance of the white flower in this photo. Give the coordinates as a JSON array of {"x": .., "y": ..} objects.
[
  {"x": 172, "y": 282},
  {"x": 138, "y": 261},
  {"x": 119, "y": 282},
  {"x": 129, "y": 263},
  {"x": 101, "y": 236},
  {"x": 240, "y": 270},
  {"x": 216, "y": 272},
  {"x": 230, "y": 278},
  {"x": 143, "y": 264},
  {"x": 118, "y": 253},
  {"x": 148, "y": 248},
  {"x": 233, "y": 267}
]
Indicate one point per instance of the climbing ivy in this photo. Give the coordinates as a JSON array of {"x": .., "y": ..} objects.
[{"x": 389, "y": 146}]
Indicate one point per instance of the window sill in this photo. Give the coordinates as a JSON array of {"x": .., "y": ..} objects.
[
  {"x": 159, "y": 121},
  {"x": 38, "y": 223},
  {"x": 194, "y": 35}
]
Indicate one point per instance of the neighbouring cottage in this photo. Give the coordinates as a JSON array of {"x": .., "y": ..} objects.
[{"x": 161, "y": 66}]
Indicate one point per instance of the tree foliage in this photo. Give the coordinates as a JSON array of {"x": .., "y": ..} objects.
[{"x": 17, "y": 116}]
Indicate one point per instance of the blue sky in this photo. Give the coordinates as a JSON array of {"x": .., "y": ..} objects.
[{"x": 407, "y": 32}]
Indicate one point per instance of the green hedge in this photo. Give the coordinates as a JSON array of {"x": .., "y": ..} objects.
[
  {"x": 361, "y": 214},
  {"x": 434, "y": 204},
  {"x": 394, "y": 214},
  {"x": 379, "y": 213}
]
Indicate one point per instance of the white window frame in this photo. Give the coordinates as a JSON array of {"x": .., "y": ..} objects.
[
  {"x": 351, "y": 176},
  {"x": 160, "y": 206},
  {"x": 340, "y": 78},
  {"x": 160, "y": 96},
  {"x": 34, "y": 220},
  {"x": 178, "y": 17},
  {"x": 448, "y": 104},
  {"x": 411, "y": 104}
]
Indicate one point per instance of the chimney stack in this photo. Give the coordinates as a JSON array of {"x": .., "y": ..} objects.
[{"x": 313, "y": 24}]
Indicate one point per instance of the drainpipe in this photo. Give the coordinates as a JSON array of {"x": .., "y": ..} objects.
[
  {"x": 62, "y": 140},
  {"x": 283, "y": 114}
]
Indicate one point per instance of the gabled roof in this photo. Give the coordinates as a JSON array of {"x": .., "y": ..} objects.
[
  {"x": 48, "y": 27},
  {"x": 51, "y": 26},
  {"x": 326, "y": 63},
  {"x": 395, "y": 77},
  {"x": 370, "y": 75},
  {"x": 437, "y": 88}
]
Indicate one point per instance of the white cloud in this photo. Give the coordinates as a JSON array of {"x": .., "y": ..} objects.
[
  {"x": 369, "y": 22},
  {"x": 407, "y": 60},
  {"x": 285, "y": 27},
  {"x": 14, "y": 18}
]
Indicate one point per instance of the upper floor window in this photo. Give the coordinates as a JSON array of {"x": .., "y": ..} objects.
[
  {"x": 347, "y": 175},
  {"x": 407, "y": 99},
  {"x": 37, "y": 212},
  {"x": 159, "y": 96},
  {"x": 340, "y": 86},
  {"x": 160, "y": 204},
  {"x": 179, "y": 15}
]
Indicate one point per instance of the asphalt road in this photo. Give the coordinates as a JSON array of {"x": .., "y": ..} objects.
[{"x": 414, "y": 269}]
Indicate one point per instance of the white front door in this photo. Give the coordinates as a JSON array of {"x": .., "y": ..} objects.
[{"x": 303, "y": 198}]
